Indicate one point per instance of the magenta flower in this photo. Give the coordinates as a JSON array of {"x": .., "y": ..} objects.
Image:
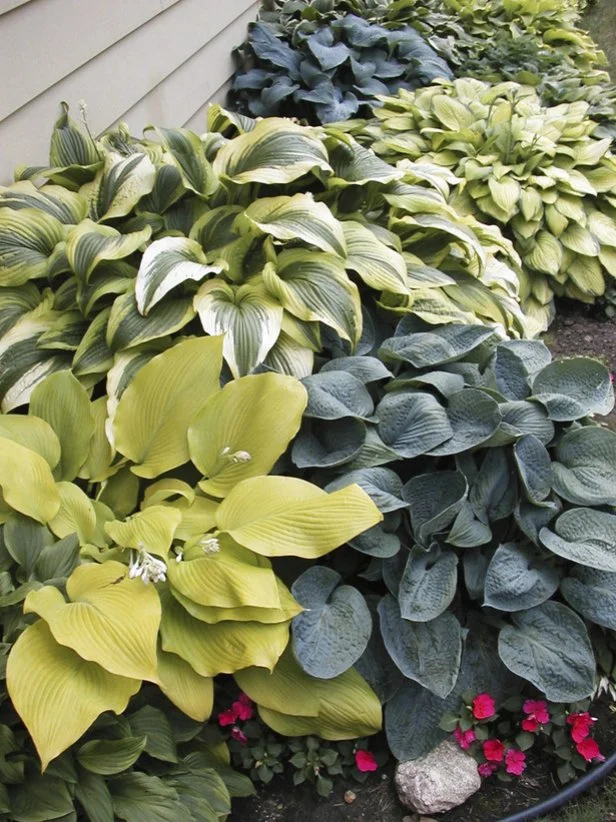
[
  {"x": 494, "y": 750},
  {"x": 365, "y": 761},
  {"x": 487, "y": 768},
  {"x": 464, "y": 738},
  {"x": 226, "y": 718},
  {"x": 589, "y": 749},
  {"x": 580, "y": 725},
  {"x": 239, "y": 735},
  {"x": 242, "y": 707},
  {"x": 515, "y": 762},
  {"x": 483, "y": 706}
]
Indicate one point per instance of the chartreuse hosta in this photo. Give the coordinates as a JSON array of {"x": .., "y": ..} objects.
[
  {"x": 495, "y": 563},
  {"x": 157, "y": 501},
  {"x": 269, "y": 232},
  {"x": 537, "y": 171}
]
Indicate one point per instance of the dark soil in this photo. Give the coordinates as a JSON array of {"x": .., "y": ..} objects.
[{"x": 577, "y": 331}]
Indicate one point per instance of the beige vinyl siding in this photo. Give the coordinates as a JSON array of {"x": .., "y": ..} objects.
[{"x": 142, "y": 61}]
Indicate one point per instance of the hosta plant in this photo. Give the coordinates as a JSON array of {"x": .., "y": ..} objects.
[
  {"x": 496, "y": 552},
  {"x": 540, "y": 172},
  {"x": 139, "y": 532},
  {"x": 268, "y": 232},
  {"x": 329, "y": 70}
]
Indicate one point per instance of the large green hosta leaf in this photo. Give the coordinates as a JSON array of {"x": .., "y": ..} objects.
[
  {"x": 110, "y": 619},
  {"x": 314, "y": 287},
  {"x": 282, "y": 516},
  {"x": 378, "y": 265},
  {"x": 275, "y": 151},
  {"x": 127, "y": 327},
  {"x": 152, "y": 529},
  {"x": 232, "y": 439},
  {"x": 188, "y": 155},
  {"x": 247, "y": 316},
  {"x": 59, "y": 704},
  {"x": 27, "y": 240},
  {"x": 167, "y": 263},
  {"x": 152, "y": 418},
  {"x": 66, "y": 206},
  {"x": 27, "y": 482},
  {"x": 118, "y": 186},
  {"x": 549, "y": 646},
  {"x": 298, "y": 217},
  {"x": 192, "y": 693}
]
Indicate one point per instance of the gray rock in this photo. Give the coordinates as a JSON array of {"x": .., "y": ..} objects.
[{"x": 439, "y": 781}]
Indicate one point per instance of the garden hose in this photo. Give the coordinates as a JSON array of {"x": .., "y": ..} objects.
[{"x": 567, "y": 794}]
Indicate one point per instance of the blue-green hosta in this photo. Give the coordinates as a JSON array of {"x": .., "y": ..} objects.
[
  {"x": 138, "y": 535},
  {"x": 539, "y": 172},
  {"x": 495, "y": 557},
  {"x": 268, "y": 232}
]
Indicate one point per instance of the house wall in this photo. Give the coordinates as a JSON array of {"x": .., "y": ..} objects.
[{"x": 141, "y": 61}]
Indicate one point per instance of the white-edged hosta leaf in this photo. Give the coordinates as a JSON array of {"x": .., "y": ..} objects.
[
  {"x": 379, "y": 266},
  {"x": 27, "y": 240},
  {"x": 331, "y": 634},
  {"x": 283, "y": 516},
  {"x": 167, "y": 263},
  {"x": 427, "y": 652},
  {"x": 93, "y": 355},
  {"x": 63, "y": 402},
  {"x": 188, "y": 154},
  {"x": 70, "y": 145},
  {"x": 27, "y": 482},
  {"x": 152, "y": 529},
  {"x": 119, "y": 185},
  {"x": 247, "y": 316},
  {"x": 109, "y": 619},
  {"x": 233, "y": 439},
  {"x": 585, "y": 536},
  {"x": 68, "y": 207},
  {"x": 89, "y": 244},
  {"x": 154, "y": 413},
  {"x": 192, "y": 693},
  {"x": 67, "y": 695},
  {"x": 298, "y": 217},
  {"x": 127, "y": 328},
  {"x": 287, "y": 356},
  {"x": 584, "y": 470},
  {"x": 225, "y": 647},
  {"x": 275, "y": 151},
  {"x": 314, "y": 287},
  {"x": 549, "y": 646}
]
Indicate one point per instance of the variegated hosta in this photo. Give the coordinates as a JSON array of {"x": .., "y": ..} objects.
[
  {"x": 268, "y": 237},
  {"x": 538, "y": 172},
  {"x": 495, "y": 563},
  {"x": 145, "y": 529}
]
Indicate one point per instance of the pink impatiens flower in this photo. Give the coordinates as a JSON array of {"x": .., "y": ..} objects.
[
  {"x": 242, "y": 707},
  {"x": 464, "y": 738},
  {"x": 226, "y": 718},
  {"x": 589, "y": 749},
  {"x": 365, "y": 761},
  {"x": 483, "y": 706},
  {"x": 239, "y": 735},
  {"x": 537, "y": 713},
  {"x": 487, "y": 768},
  {"x": 580, "y": 725},
  {"x": 515, "y": 762},
  {"x": 494, "y": 750}
]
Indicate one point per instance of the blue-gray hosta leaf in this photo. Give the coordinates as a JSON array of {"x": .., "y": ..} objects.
[
  {"x": 592, "y": 594},
  {"x": 333, "y": 395},
  {"x": 377, "y": 542},
  {"x": 376, "y": 665},
  {"x": 366, "y": 369},
  {"x": 518, "y": 578},
  {"x": 383, "y": 486},
  {"x": 428, "y": 652},
  {"x": 280, "y": 89},
  {"x": 534, "y": 467},
  {"x": 411, "y": 423},
  {"x": 328, "y": 443},
  {"x": 255, "y": 78},
  {"x": 585, "y": 536},
  {"x": 549, "y": 646},
  {"x": 585, "y": 467},
  {"x": 435, "y": 500},
  {"x": 328, "y": 57},
  {"x": 167, "y": 263},
  {"x": 522, "y": 417},
  {"x": 428, "y": 584},
  {"x": 512, "y": 378},
  {"x": 493, "y": 492},
  {"x": 531, "y": 519},
  {"x": 571, "y": 389},
  {"x": 475, "y": 564},
  {"x": 429, "y": 348},
  {"x": 342, "y": 108},
  {"x": 333, "y": 632},
  {"x": 272, "y": 49},
  {"x": 467, "y": 531},
  {"x": 473, "y": 416}
]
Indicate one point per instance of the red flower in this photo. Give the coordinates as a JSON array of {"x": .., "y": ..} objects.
[
  {"x": 226, "y": 718},
  {"x": 242, "y": 707},
  {"x": 515, "y": 762},
  {"x": 493, "y": 750},
  {"x": 365, "y": 761},
  {"x": 487, "y": 768},
  {"x": 464, "y": 738},
  {"x": 581, "y": 725},
  {"x": 589, "y": 749},
  {"x": 530, "y": 724},
  {"x": 239, "y": 735},
  {"x": 537, "y": 709},
  {"x": 483, "y": 706}
]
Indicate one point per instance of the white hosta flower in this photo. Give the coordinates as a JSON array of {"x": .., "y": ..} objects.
[
  {"x": 240, "y": 456},
  {"x": 146, "y": 566},
  {"x": 210, "y": 545}
]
